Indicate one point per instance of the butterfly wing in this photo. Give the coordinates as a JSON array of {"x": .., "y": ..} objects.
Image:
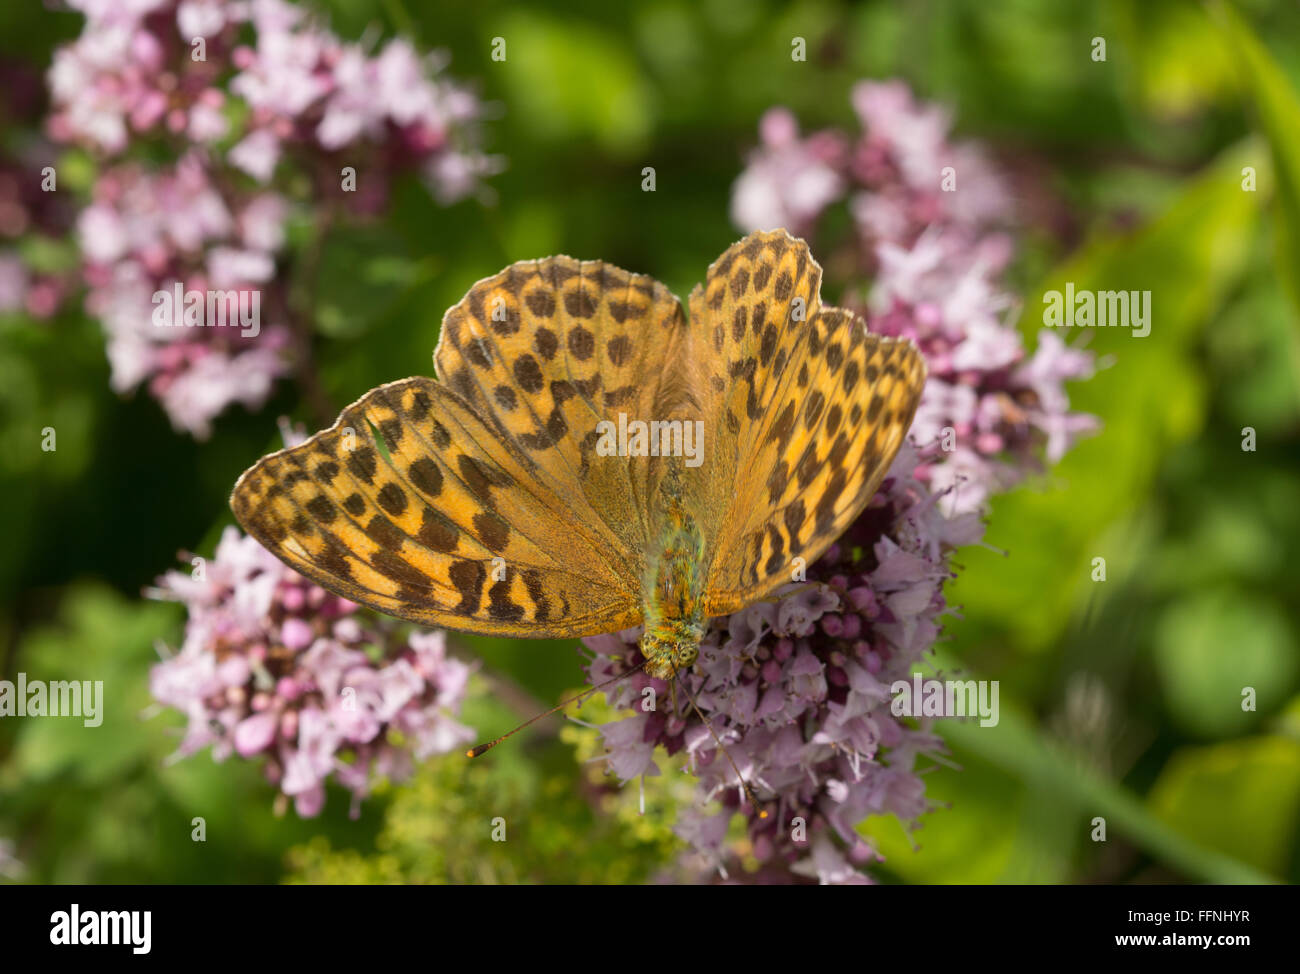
[
  {"x": 809, "y": 411},
  {"x": 547, "y": 350},
  {"x": 422, "y": 520},
  {"x": 472, "y": 502}
]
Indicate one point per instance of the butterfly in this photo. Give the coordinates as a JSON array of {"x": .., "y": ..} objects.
[{"x": 589, "y": 459}]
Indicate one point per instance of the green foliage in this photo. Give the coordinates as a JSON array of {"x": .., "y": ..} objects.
[
  {"x": 595, "y": 92},
  {"x": 515, "y": 815},
  {"x": 1208, "y": 793},
  {"x": 1278, "y": 108},
  {"x": 1213, "y": 643}
]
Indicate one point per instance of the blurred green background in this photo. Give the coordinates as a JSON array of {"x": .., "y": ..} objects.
[{"x": 1120, "y": 699}]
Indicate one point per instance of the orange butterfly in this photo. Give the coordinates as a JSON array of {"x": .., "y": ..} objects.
[{"x": 588, "y": 460}]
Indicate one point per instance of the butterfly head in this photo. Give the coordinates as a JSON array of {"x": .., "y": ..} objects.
[{"x": 671, "y": 647}]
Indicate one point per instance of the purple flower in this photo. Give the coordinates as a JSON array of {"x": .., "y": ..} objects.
[
  {"x": 829, "y": 866},
  {"x": 798, "y": 613},
  {"x": 797, "y": 689},
  {"x": 790, "y": 180},
  {"x": 631, "y": 747}
]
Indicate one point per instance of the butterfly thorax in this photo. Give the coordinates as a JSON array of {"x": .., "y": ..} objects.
[{"x": 674, "y": 596}]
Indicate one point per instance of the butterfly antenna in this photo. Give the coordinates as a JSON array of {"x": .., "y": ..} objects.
[
  {"x": 482, "y": 748},
  {"x": 749, "y": 792}
]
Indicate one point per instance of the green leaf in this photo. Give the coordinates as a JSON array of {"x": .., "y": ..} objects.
[
  {"x": 1253, "y": 357},
  {"x": 1176, "y": 62},
  {"x": 100, "y": 804},
  {"x": 1212, "y": 644},
  {"x": 1278, "y": 109},
  {"x": 1241, "y": 798},
  {"x": 102, "y": 639},
  {"x": 364, "y": 273},
  {"x": 987, "y": 827}
]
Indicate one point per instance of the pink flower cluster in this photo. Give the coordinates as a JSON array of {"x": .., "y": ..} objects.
[
  {"x": 232, "y": 94},
  {"x": 926, "y": 258},
  {"x": 989, "y": 413},
  {"x": 891, "y": 175},
  {"x": 146, "y": 230},
  {"x": 275, "y": 667},
  {"x": 798, "y": 686}
]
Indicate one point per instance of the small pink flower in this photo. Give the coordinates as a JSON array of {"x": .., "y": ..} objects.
[
  {"x": 296, "y": 633},
  {"x": 257, "y": 154},
  {"x": 255, "y": 733}
]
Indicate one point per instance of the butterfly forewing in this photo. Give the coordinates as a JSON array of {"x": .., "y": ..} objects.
[
  {"x": 547, "y": 350},
  {"x": 478, "y": 502},
  {"x": 815, "y": 408}
]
